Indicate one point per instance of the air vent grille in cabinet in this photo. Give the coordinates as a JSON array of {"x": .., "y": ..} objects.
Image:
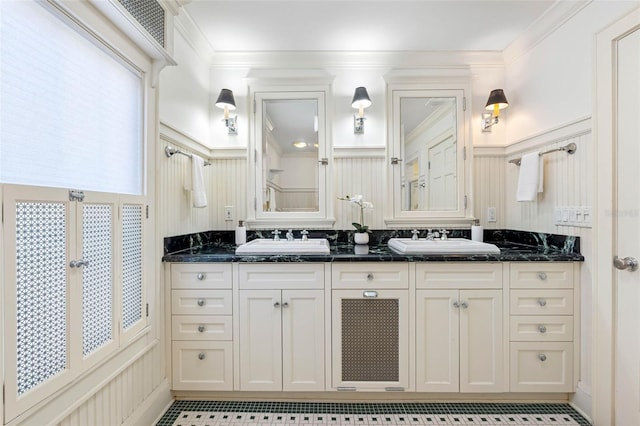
[
  {"x": 149, "y": 14},
  {"x": 370, "y": 340}
]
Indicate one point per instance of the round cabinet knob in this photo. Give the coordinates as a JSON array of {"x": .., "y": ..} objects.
[
  {"x": 542, "y": 275},
  {"x": 464, "y": 305},
  {"x": 456, "y": 304},
  {"x": 276, "y": 305},
  {"x": 370, "y": 276},
  {"x": 542, "y": 329},
  {"x": 201, "y": 276},
  {"x": 200, "y": 302},
  {"x": 542, "y": 357},
  {"x": 201, "y": 356},
  {"x": 542, "y": 302},
  {"x": 201, "y": 328},
  {"x": 285, "y": 305}
]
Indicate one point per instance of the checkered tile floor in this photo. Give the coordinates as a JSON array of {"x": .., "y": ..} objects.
[{"x": 218, "y": 413}]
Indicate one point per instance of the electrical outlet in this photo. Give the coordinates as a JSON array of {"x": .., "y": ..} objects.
[
  {"x": 228, "y": 213},
  {"x": 491, "y": 214}
]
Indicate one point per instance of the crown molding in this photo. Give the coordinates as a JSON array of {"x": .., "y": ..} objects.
[
  {"x": 192, "y": 34},
  {"x": 555, "y": 17}
]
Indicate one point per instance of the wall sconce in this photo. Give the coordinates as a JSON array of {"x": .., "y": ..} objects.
[
  {"x": 361, "y": 101},
  {"x": 228, "y": 103},
  {"x": 497, "y": 101}
]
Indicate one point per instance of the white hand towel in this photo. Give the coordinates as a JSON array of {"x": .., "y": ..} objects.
[
  {"x": 530, "y": 178},
  {"x": 198, "y": 193}
]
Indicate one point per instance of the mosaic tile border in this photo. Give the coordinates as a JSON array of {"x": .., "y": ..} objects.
[{"x": 447, "y": 409}]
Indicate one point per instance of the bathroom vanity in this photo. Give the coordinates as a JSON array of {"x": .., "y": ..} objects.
[{"x": 380, "y": 321}]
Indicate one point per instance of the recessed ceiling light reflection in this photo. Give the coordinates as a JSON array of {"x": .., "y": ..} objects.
[{"x": 299, "y": 144}]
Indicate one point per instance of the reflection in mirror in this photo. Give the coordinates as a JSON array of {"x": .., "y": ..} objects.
[
  {"x": 289, "y": 149},
  {"x": 428, "y": 145}
]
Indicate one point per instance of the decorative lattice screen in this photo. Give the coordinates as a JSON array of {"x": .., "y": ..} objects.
[
  {"x": 131, "y": 264},
  {"x": 149, "y": 14},
  {"x": 41, "y": 275}
]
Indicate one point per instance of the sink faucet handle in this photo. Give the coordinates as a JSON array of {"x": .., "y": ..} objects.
[
  {"x": 443, "y": 234},
  {"x": 276, "y": 235},
  {"x": 430, "y": 234},
  {"x": 289, "y": 235},
  {"x": 304, "y": 234},
  {"x": 414, "y": 235}
]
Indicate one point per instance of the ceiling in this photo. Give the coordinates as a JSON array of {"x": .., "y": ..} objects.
[{"x": 360, "y": 25}]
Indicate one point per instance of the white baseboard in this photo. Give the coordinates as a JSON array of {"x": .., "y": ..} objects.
[
  {"x": 152, "y": 409},
  {"x": 582, "y": 400}
]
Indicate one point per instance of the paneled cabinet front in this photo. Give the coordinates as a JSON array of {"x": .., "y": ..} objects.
[
  {"x": 201, "y": 326},
  {"x": 459, "y": 328},
  {"x": 282, "y": 329}
]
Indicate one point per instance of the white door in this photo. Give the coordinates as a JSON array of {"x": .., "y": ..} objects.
[
  {"x": 303, "y": 340},
  {"x": 442, "y": 175},
  {"x": 627, "y": 231},
  {"x": 260, "y": 340},
  {"x": 481, "y": 341}
]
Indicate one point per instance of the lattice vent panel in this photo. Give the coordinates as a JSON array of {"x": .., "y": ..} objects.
[
  {"x": 131, "y": 264},
  {"x": 41, "y": 289},
  {"x": 149, "y": 14},
  {"x": 97, "y": 276},
  {"x": 370, "y": 340}
]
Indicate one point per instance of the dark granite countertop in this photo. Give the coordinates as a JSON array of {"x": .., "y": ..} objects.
[{"x": 526, "y": 248}]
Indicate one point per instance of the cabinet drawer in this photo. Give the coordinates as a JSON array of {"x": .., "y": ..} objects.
[
  {"x": 200, "y": 275},
  {"x": 541, "y": 275},
  {"x": 463, "y": 275},
  {"x": 201, "y": 302},
  {"x": 542, "y": 367},
  {"x": 201, "y": 327},
  {"x": 541, "y": 302},
  {"x": 202, "y": 365},
  {"x": 282, "y": 276},
  {"x": 541, "y": 328},
  {"x": 369, "y": 275}
]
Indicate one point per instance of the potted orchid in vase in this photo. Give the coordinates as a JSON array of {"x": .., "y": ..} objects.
[{"x": 361, "y": 236}]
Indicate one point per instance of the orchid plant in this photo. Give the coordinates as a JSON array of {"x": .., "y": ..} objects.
[{"x": 359, "y": 201}]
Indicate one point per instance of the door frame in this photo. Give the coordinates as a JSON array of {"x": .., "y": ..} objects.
[{"x": 603, "y": 288}]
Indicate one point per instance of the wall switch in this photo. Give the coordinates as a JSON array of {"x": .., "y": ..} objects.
[
  {"x": 228, "y": 213},
  {"x": 491, "y": 214}
]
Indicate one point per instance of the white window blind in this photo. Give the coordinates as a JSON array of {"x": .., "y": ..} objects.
[{"x": 71, "y": 114}]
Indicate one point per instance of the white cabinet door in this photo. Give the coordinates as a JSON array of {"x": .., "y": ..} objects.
[
  {"x": 459, "y": 341},
  {"x": 282, "y": 340},
  {"x": 303, "y": 340},
  {"x": 481, "y": 341},
  {"x": 260, "y": 340},
  {"x": 437, "y": 341}
]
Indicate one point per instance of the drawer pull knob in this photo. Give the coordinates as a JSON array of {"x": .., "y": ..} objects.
[
  {"x": 370, "y": 293},
  {"x": 201, "y": 356},
  {"x": 456, "y": 304},
  {"x": 201, "y": 328},
  {"x": 542, "y": 357},
  {"x": 200, "y": 302},
  {"x": 201, "y": 276},
  {"x": 276, "y": 305},
  {"x": 370, "y": 276},
  {"x": 464, "y": 305},
  {"x": 285, "y": 305},
  {"x": 542, "y": 302},
  {"x": 542, "y": 329},
  {"x": 542, "y": 275}
]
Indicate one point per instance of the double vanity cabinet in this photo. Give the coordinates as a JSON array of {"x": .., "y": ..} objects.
[{"x": 457, "y": 326}]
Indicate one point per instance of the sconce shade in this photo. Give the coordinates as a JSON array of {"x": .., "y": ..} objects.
[
  {"x": 225, "y": 99},
  {"x": 496, "y": 97},
  {"x": 361, "y": 98}
]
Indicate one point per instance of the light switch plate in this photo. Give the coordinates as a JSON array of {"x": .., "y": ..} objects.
[{"x": 491, "y": 214}]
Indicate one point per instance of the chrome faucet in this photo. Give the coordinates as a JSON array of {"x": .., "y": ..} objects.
[
  {"x": 289, "y": 235},
  {"x": 443, "y": 234},
  {"x": 304, "y": 234},
  {"x": 432, "y": 235},
  {"x": 414, "y": 235},
  {"x": 276, "y": 235}
]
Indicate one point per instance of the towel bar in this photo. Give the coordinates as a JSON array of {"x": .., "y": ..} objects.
[{"x": 569, "y": 148}]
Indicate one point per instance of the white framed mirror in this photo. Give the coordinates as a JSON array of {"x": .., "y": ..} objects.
[
  {"x": 289, "y": 158},
  {"x": 428, "y": 154}
]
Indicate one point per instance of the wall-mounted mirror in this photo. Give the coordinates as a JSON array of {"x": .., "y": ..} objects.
[
  {"x": 427, "y": 151},
  {"x": 291, "y": 161}
]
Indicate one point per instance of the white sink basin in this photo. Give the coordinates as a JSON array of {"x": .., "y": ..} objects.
[
  {"x": 449, "y": 246},
  {"x": 264, "y": 246}
]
